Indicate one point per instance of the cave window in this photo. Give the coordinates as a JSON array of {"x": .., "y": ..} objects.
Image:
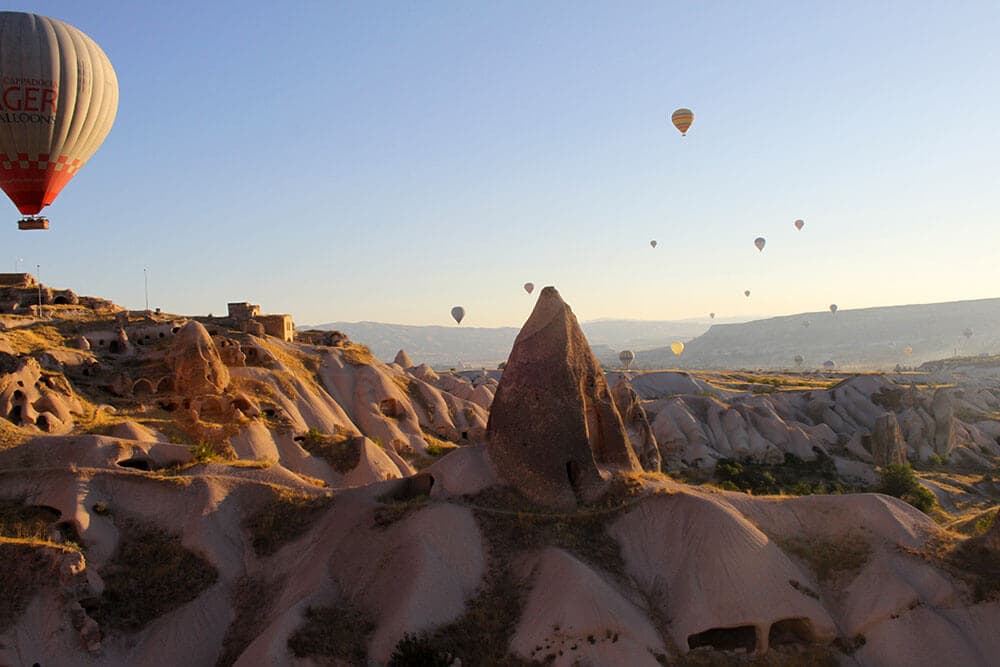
[
  {"x": 791, "y": 631},
  {"x": 726, "y": 639},
  {"x": 60, "y": 301}
]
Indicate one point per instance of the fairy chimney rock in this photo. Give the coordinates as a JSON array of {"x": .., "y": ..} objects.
[
  {"x": 403, "y": 359},
  {"x": 640, "y": 433},
  {"x": 553, "y": 425},
  {"x": 196, "y": 363}
]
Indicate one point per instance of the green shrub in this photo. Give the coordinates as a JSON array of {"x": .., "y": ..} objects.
[
  {"x": 418, "y": 651},
  {"x": 898, "y": 480}
]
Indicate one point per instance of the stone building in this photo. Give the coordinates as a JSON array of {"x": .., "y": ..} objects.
[{"x": 246, "y": 316}]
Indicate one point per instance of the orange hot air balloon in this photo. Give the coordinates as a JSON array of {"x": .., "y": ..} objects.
[
  {"x": 682, "y": 120},
  {"x": 58, "y": 100}
]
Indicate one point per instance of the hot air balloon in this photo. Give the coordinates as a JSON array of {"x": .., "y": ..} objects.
[
  {"x": 458, "y": 313},
  {"x": 798, "y": 359},
  {"x": 626, "y": 357},
  {"x": 833, "y": 307},
  {"x": 677, "y": 347},
  {"x": 682, "y": 120},
  {"x": 967, "y": 333},
  {"x": 829, "y": 364},
  {"x": 760, "y": 242},
  {"x": 907, "y": 350},
  {"x": 59, "y": 100},
  {"x": 746, "y": 293},
  {"x": 529, "y": 287},
  {"x": 712, "y": 315},
  {"x": 652, "y": 244},
  {"x": 799, "y": 224}
]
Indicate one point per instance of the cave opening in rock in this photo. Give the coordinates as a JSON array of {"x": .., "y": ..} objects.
[
  {"x": 43, "y": 423},
  {"x": 135, "y": 463},
  {"x": 726, "y": 639},
  {"x": 791, "y": 631}
]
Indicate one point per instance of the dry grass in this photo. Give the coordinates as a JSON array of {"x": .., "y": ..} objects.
[
  {"x": 340, "y": 631},
  {"x": 342, "y": 450},
  {"x": 22, "y": 521},
  {"x": 287, "y": 517},
  {"x": 967, "y": 560},
  {"x": 251, "y": 599},
  {"x": 357, "y": 355},
  {"x": 830, "y": 559},
  {"x": 37, "y": 338},
  {"x": 150, "y": 575},
  {"x": 27, "y": 567}
]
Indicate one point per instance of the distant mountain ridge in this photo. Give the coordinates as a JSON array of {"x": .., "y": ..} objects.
[
  {"x": 865, "y": 338},
  {"x": 455, "y": 346}
]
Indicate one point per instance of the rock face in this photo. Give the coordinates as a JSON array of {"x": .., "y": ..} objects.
[
  {"x": 888, "y": 446},
  {"x": 403, "y": 359},
  {"x": 943, "y": 409},
  {"x": 553, "y": 424},
  {"x": 196, "y": 363},
  {"x": 637, "y": 426}
]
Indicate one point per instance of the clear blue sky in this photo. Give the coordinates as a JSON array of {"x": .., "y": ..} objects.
[{"x": 386, "y": 161}]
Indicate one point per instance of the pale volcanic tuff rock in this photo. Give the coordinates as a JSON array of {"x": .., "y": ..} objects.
[
  {"x": 888, "y": 446},
  {"x": 553, "y": 423},
  {"x": 196, "y": 363},
  {"x": 637, "y": 425},
  {"x": 403, "y": 359},
  {"x": 33, "y": 398}
]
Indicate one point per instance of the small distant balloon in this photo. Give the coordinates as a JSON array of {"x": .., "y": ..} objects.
[
  {"x": 760, "y": 242},
  {"x": 907, "y": 350},
  {"x": 652, "y": 243},
  {"x": 833, "y": 307},
  {"x": 799, "y": 224},
  {"x": 967, "y": 333},
  {"x": 798, "y": 359},
  {"x": 829, "y": 364},
  {"x": 712, "y": 315},
  {"x": 746, "y": 293},
  {"x": 529, "y": 287},
  {"x": 458, "y": 313},
  {"x": 626, "y": 357},
  {"x": 677, "y": 347},
  {"x": 682, "y": 120}
]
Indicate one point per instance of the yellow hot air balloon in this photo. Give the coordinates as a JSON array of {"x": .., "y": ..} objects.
[
  {"x": 677, "y": 347},
  {"x": 682, "y": 120},
  {"x": 58, "y": 100}
]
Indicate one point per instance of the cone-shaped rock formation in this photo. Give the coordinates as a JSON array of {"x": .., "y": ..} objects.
[
  {"x": 195, "y": 361},
  {"x": 553, "y": 424}
]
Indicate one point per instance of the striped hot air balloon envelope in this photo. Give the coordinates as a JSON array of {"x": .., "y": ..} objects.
[
  {"x": 682, "y": 120},
  {"x": 57, "y": 104}
]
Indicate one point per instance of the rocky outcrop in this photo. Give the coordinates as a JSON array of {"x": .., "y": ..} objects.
[
  {"x": 195, "y": 362},
  {"x": 403, "y": 359},
  {"x": 888, "y": 446},
  {"x": 31, "y": 397},
  {"x": 553, "y": 423},
  {"x": 637, "y": 426},
  {"x": 943, "y": 410}
]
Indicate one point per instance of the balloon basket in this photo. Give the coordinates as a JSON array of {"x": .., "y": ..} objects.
[{"x": 33, "y": 222}]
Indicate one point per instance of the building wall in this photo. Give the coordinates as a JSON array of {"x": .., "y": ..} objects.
[{"x": 279, "y": 326}]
